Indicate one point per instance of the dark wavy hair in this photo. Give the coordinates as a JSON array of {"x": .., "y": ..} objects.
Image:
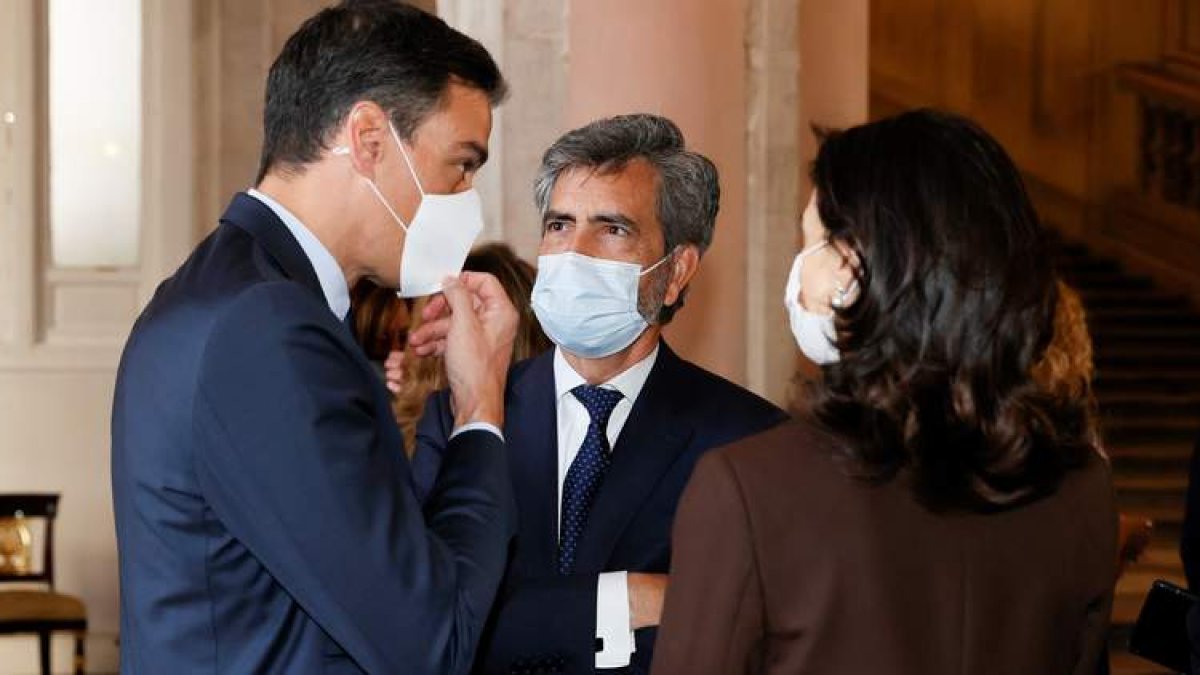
[{"x": 956, "y": 305}]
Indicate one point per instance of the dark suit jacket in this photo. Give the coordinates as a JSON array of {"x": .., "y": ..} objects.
[
  {"x": 544, "y": 622},
  {"x": 1189, "y": 541},
  {"x": 784, "y": 564},
  {"x": 265, "y": 516},
  {"x": 1189, "y": 549}
]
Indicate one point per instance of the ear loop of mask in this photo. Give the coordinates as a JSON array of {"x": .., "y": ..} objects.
[
  {"x": 404, "y": 153},
  {"x": 661, "y": 260},
  {"x": 840, "y": 294},
  {"x": 342, "y": 150}
]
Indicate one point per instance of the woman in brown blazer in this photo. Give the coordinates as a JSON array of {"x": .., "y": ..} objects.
[{"x": 932, "y": 509}]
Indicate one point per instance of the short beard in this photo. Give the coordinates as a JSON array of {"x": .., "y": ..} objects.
[{"x": 650, "y": 299}]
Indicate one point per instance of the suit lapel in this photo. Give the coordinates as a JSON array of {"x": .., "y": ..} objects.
[
  {"x": 533, "y": 455},
  {"x": 652, "y": 439},
  {"x": 260, "y": 222}
]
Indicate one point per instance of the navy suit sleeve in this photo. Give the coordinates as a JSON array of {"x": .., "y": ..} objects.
[
  {"x": 433, "y": 434},
  {"x": 543, "y": 621},
  {"x": 290, "y": 458}
]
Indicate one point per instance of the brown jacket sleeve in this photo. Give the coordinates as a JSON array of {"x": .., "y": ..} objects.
[
  {"x": 1103, "y": 532},
  {"x": 1092, "y": 641},
  {"x": 713, "y": 616}
]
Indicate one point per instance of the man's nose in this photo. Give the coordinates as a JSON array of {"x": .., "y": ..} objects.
[{"x": 584, "y": 242}]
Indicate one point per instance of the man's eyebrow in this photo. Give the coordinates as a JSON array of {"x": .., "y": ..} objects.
[
  {"x": 614, "y": 218},
  {"x": 551, "y": 214},
  {"x": 481, "y": 153}
]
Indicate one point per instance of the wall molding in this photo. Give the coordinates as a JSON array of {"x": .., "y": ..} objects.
[
  {"x": 774, "y": 159},
  {"x": 78, "y": 318}
]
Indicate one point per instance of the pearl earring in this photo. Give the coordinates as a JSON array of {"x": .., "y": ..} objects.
[{"x": 839, "y": 297}]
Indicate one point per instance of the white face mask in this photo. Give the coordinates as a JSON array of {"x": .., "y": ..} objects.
[
  {"x": 814, "y": 333},
  {"x": 589, "y": 306},
  {"x": 439, "y": 237}
]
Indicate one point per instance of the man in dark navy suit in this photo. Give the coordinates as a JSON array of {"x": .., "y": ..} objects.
[
  {"x": 265, "y": 514},
  {"x": 605, "y": 428}
]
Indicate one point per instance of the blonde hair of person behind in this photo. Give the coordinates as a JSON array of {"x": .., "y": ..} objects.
[
  {"x": 425, "y": 375},
  {"x": 1067, "y": 367}
]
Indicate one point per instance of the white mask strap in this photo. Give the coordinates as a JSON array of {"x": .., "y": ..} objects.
[
  {"x": 813, "y": 249},
  {"x": 386, "y": 205},
  {"x": 342, "y": 151},
  {"x": 404, "y": 153},
  {"x": 660, "y": 261}
]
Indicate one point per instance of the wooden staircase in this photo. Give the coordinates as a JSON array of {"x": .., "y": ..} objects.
[{"x": 1147, "y": 345}]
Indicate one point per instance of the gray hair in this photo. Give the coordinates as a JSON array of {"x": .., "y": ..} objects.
[{"x": 689, "y": 193}]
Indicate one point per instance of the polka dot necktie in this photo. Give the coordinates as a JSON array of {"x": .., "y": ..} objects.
[{"x": 586, "y": 472}]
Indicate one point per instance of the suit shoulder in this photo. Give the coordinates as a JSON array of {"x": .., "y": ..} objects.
[
  {"x": 794, "y": 451},
  {"x": 708, "y": 392},
  {"x": 517, "y": 370},
  {"x": 273, "y": 319},
  {"x": 215, "y": 274}
]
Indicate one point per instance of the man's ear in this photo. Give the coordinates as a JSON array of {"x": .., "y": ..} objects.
[
  {"x": 365, "y": 134},
  {"x": 684, "y": 265}
]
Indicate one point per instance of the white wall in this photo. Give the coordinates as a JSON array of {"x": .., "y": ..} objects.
[
  {"x": 54, "y": 438},
  {"x": 63, "y": 328}
]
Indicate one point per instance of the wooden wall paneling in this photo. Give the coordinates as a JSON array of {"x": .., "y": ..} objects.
[
  {"x": 206, "y": 87},
  {"x": 1126, "y": 33},
  {"x": 907, "y": 53},
  {"x": 235, "y": 42},
  {"x": 1182, "y": 31},
  {"x": 287, "y": 15},
  {"x": 1062, "y": 104},
  {"x": 244, "y": 60},
  {"x": 1002, "y": 76},
  {"x": 959, "y": 31}
]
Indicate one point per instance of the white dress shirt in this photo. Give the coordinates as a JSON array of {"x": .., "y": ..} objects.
[
  {"x": 612, "y": 589},
  {"x": 329, "y": 272},
  {"x": 332, "y": 279}
]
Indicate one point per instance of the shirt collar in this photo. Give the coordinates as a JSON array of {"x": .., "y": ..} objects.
[
  {"x": 629, "y": 382},
  {"x": 329, "y": 273}
]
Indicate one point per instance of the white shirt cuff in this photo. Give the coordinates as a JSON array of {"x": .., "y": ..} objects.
[
  {"x": 612, "y": 620},
  {"x": 478, "y": 426}
]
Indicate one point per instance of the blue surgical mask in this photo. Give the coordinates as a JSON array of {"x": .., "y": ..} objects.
[{"x": 589, "y": 306}]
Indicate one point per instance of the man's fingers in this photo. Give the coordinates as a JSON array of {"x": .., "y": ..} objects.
[
  {"x": 459, "y": 297},
  {"x": 432, "y": 348},
  {"x": 435, "y": 308},
  {"x": 393, "y": 371},
  {"x": 484, "y": 286},
  {"x": 429, "y": 331}
]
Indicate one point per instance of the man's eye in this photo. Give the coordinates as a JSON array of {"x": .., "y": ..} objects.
[
  {"x": 617, "y": 230},
  {"x": 555, "y": 226}
]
